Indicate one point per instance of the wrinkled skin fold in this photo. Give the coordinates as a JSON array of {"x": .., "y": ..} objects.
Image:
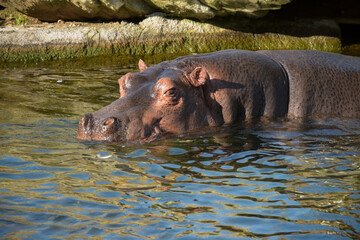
[{"x": 214, "y": 89}]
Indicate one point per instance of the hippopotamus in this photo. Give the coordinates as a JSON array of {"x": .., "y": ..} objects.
[{"x": 220, "y": 88}]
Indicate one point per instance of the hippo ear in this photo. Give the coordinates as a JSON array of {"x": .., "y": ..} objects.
[
  {"x": 121, "y": 88},
  {"x": 198, "y": 76},
  {"x": 142, "y": 65}
]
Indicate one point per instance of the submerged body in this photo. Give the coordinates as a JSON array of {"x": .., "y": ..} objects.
[{"x": 225, "y": 87}]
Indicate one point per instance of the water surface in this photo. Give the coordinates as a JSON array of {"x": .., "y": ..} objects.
[{"x": 268, "y": 180}]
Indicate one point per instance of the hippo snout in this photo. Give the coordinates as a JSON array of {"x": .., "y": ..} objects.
[
  {"x": 108, "y": 129},
  {"x": 85, "y": 128},
  {"x": 87, "y": 121}
]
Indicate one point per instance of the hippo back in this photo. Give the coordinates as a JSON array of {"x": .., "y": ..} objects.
[{"x": 320, "y": 83}]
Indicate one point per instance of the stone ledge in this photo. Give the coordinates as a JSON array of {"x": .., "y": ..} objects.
[{"x": 158, "y": 35}]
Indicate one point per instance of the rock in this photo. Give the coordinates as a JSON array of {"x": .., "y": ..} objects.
[
  {"x": 207, "y": 9},
  {"x": 158, "y": 36},
  {"x": 80, "y": 10},
  {"x": 185, "y": 8},
  {"x": 84, "y": 10}
]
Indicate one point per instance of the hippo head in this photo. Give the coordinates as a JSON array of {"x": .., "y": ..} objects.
[{"x": 157, "y": 101}]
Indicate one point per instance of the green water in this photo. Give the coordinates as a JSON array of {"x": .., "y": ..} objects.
[{"x": 274, "y": 180}]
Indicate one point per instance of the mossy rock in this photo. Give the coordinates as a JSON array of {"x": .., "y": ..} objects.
[{"x": 153, "y": 36}]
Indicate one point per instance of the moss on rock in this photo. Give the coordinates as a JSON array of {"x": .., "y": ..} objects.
[{"x": 271, "y": 41}]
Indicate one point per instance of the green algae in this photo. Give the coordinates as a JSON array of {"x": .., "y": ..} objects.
[
  {"x": 282, "y": 42},
  {"x": 352, "y": 49}
]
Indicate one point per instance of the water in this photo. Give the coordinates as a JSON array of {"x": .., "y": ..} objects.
[{"x": 272, "y": 180}]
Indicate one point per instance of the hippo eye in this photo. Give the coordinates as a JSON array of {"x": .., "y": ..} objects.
[
  {"x": 171, "y": 92},
  {"x": 166, "y": 92}
]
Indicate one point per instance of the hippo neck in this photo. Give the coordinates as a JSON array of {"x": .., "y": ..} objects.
[
  {"x": 241, "y": 96},
  {"x": 226, "y": 107},
  {"x": 242, "y": 85}
]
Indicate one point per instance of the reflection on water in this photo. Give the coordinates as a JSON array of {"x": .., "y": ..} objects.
[{"x": 271, "y": 180}]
